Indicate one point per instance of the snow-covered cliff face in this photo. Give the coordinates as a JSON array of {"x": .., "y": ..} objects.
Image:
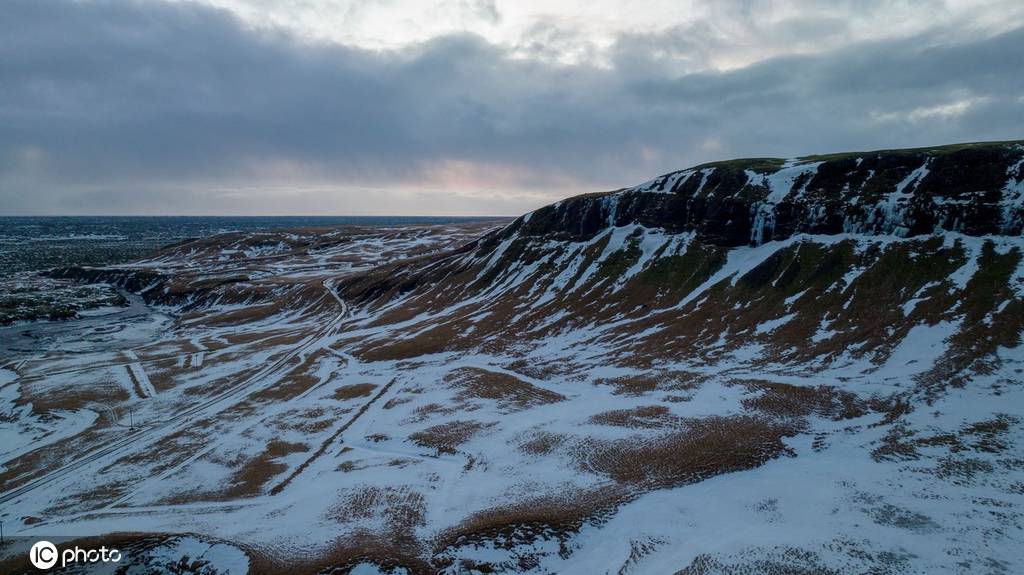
[{"x": 972, "y": 189}]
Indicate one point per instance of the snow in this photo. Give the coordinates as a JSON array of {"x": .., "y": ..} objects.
[
  {"x": 98, "y": 311},
  {"x": 780, "y": 186},
  {"x": 1013, "y": 199},
  {"x": 225, "y": 559},
  {"x": 823, "y": 332},
  {"x": 667, "y": 183},
  {"x": 772, "y": 325},
  {"x": 141, "y": 378},
  {"x": 369, "y": 569},
  {"x": 913, "y": 179},
  {"x": 921, "y": 348},
  {"x": 972, "y": 249},
  {"x": 31, "y": 432},
  {"x": 789, "y": 301},
  {"x": 909, "y": 305},
  {"x": 230, "y": 399}
]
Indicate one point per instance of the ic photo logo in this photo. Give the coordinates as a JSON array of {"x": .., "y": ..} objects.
[{"x": 44, "y": 555}]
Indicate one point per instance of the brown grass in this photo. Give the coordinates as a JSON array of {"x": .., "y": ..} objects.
[
  {"x": 784, "y": 400},
  {"x": 164, "y": 350},
  {"x": 544, "y": 371},
  {"x": 643, "y": 417},
  {"x": 163, "y": 374},
  {"x": 704, "y": 448},
  {"x": 382, "y": 549},
  {"x": 287, "y": 339},
  {"x": 297, "y": 381},
  {"x": 89, "y": 499},
  {"x": 251, "y": 477},
  {"x": 309, "y": 421},
  {"x": 447, "y": 436},
  {"x": 510, "y": 392},
  {"x": 646, "y": 383},
  {"x": 395, "y": 402},
  {"x": 135, "y": 383},
  {"x": 523, "y": 523},
  {"x": 48, "y": 457},
  {"x": 676, "y": 398},
  {"x": 327, "y": 442},
  {"x": 778, "y": 561},
  {"x": 86, "y": 389},
  {"x": 988, "y": 436},
  {"x": 401, "y": 508},
  {"x": 527, "y": 521},
  {"x": 166, "y": 453},
  {"x": 354, "y": 391},
  {"x": 542, "y": 443},
  {"x": 240, "y": 317},
  {"x": 425, "y": 412},
  {"x": 199, "y": 391},
  {"x": 436, "y": 340},
  {"x": 895, "y": 445}
]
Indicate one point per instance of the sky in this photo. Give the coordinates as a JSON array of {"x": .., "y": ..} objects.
[{"x": 469, "y": 107}]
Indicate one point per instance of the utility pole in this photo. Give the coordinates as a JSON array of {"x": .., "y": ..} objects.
[{"x": 131, "y": 420}]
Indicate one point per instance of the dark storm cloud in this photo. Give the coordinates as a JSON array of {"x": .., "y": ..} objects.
[{"x": 107, "y": 102}]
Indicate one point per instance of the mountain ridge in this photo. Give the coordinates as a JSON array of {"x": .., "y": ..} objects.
[
  {"x": 629, "y": 265},
  {"x": 975, "y": 189}
]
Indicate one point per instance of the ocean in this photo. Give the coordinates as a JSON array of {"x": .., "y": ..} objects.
[{"x": 34, "y": 243}]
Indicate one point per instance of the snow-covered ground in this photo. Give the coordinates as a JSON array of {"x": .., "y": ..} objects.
[{"x": 537, "y": 406}]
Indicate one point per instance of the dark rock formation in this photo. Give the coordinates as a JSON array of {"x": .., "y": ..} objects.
[{"x": 974, "y": 189}]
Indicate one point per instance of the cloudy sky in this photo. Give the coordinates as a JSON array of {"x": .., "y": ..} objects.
[{"x": 469, "y": 106}]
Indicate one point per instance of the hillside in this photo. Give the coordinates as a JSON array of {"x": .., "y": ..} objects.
[
  {"x": 808, "y": 258},
  {"x": 774, "y": 366},
  {"x": 883, "y": 292}
]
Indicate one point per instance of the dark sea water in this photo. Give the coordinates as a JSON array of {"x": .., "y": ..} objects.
[{"x": 32, "y": 243}]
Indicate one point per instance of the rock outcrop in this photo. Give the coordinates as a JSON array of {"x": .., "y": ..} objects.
[{"x": 974, "y": 189}]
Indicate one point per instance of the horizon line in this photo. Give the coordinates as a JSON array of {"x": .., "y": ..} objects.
[{"x": 8, "y": 216}]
